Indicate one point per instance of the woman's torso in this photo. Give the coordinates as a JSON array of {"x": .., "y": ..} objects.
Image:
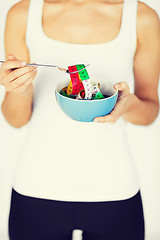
[{"x": 68, "y": 160}]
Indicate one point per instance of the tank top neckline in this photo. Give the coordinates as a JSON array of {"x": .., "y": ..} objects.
[{"x": 108, "y": 43}]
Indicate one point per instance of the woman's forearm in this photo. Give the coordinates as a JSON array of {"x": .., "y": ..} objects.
[
  {"x": 17, "y": 108},
  {"x": 141, "y": 111}
]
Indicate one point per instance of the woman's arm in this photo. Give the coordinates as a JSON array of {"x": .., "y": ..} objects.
[
  {"x": 144, "y": 102},
  {"x": 17, "y": 104},
  {"x": 142, "y": 107}
]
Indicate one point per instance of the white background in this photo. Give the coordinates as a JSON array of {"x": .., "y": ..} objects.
[{"x": 144, "y": 142}]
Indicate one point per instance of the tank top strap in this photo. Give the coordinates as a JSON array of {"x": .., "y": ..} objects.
[
  {"x": 129, "y": 30},
  {"x": 34, "y": 22}
]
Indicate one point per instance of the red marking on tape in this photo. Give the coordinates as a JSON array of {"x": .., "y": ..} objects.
[{"x": 77, "y": 86}]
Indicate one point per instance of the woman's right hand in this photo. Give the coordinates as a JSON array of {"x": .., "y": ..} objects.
[{"x": 16, "y": 76}]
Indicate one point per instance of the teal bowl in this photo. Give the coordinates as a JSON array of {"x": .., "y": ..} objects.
[{"x": 87, "y": 110}]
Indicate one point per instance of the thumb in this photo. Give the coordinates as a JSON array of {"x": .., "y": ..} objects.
[
  {"x": 122, "y": 86},
  {"x": 11, "y": 57}
]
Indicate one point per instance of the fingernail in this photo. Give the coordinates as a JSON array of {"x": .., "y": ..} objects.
[
  {"x": 23, "y": 64},
  {"x": 35, "y": 70}
]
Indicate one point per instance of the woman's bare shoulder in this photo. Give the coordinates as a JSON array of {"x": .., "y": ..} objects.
[
  {"x": 147, "y": 15},
  {"x": 148, "y": 24},
  {"x": 19, "y": 12},
  {"x": 21, "y": 6},
  {"x": 15, "y": 30}
]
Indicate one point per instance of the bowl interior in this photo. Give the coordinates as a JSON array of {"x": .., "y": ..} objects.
[{"x": 108, "y": 92}]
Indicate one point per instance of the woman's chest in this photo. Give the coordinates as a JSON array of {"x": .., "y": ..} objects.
[{"x": 83, "y": 23}]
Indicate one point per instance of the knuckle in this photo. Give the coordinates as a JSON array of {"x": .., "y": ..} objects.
[
  {"x": 30, "y": 69},
  {"x": 124, "y": 84}
]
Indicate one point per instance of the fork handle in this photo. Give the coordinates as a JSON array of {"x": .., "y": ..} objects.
[{"x": 46, "y": 65}]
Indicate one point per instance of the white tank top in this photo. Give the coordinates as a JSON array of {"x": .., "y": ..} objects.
[{"x": 67, "y": 160}]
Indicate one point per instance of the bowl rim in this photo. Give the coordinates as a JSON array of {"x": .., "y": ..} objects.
[{"x": 85, "y": 100}]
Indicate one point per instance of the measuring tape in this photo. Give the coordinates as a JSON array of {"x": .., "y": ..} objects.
[
  {"x": 80, "y": 85},
  {"x": 63, "y": 91},
  {"x": 96, "y": 93},
  {"x": 75, "y": 85},
  {"x": 80, "y": 82}
]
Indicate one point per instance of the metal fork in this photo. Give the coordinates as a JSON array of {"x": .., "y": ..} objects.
[{"x": 46, "y": 65}]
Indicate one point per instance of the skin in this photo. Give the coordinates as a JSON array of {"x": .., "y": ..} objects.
[{"x": 140, "y": 108}]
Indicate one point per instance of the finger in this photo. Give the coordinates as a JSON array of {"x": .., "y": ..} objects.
[
  {"x": 120, "y": 106},
  {"x": 9, "y": 65},
  {"x": 123, "y": 87},
  {"x": 23, "y": 87},
  {"x": 10, "y": 57},
  {"x": 118, "y": 111},
  {"x": 20, "y": 81},
  {"x": 12, "y": 76},
  {"x": 108, "y": 118},
  {"x": 101, "y": 119}
]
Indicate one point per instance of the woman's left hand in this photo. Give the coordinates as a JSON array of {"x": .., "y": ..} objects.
[{"x": 122, "y": 105}]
